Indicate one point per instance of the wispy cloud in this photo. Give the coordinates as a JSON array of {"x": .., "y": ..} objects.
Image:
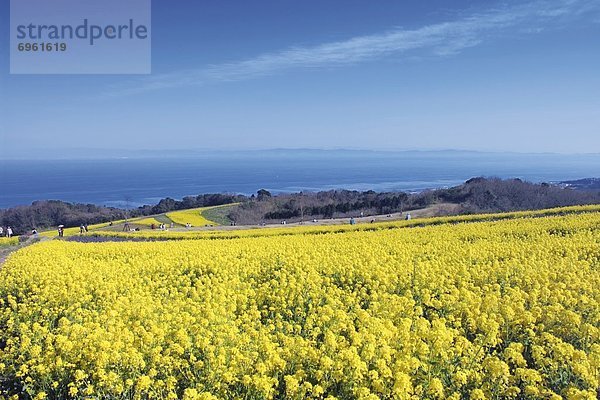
[{"x": 442, "y": 39}]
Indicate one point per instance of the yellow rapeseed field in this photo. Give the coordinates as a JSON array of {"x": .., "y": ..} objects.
[
  {"x": 310, "y": 229},
  {"x": 192, "y": 216},
  {"x": 486, "y": 310},
  {"x": 8, "y": 241},
  {"x": 146, "y": 221},
  {"x": 75, "y": 230}
]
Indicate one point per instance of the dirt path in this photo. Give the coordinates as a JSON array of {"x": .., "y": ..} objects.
[
  {"x": 431, "y": 211},
  {"x": 5, "y": 252}
]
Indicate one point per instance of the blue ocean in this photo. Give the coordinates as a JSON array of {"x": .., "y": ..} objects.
[{"x": 134, "y": 181}]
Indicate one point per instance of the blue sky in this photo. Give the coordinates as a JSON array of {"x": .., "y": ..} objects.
[{"x": 500, "y": 76}]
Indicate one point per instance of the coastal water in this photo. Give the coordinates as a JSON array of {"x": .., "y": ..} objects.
[{"x": 145, "y": 180}]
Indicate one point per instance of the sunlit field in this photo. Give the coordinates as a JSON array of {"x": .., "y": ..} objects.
[
  {"x": 309, "y": 229},
  {"x": 6, "y": 241},
  {"x": 193, "y": 216},
  {"x": 482, "y": 310},
  {"x": 146, "y": 221}
]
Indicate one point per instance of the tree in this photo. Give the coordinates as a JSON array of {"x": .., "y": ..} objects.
[{"x": 263, "y": 194}]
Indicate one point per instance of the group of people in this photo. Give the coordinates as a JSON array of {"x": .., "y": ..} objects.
[
  {"x": 8, "y": 232},
  {"x": 353, "y": 220},
  {"x": 83, "y": 228},
  {"x": 161, "y": 226},
  {"x": 128, "y": 228}
]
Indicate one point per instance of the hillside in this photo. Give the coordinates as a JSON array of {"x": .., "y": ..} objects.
[
  {"x": 488, "y": 309},
  {"x": 583, "y": 184},
  {"x": 474, "y": 196}
]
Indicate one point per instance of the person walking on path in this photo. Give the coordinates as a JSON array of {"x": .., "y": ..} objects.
[{"x": 9, "y": 232}]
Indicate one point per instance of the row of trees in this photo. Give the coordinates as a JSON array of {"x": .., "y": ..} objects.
[
  {"x": 51, "y": 213},
  {"x": 46, "y": 214},
  {"x": 496, "y": 195},
  {"x": 203, "y": 200},
  {"x": 475, "y": 195}
]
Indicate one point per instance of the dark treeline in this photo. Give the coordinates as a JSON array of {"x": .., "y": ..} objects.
[
  {"x": 334, "y": 203},
  {"x": 474, "y": 196},
  {"x": 203, "y": 200},
  {"x": 583, "y": 184},
  {"x": 46, "y": 214},
  {"x": 496, "y": 195},
  {"x": 51, "y": 213}
]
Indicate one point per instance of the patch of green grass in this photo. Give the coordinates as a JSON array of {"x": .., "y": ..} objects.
[
  {"x": 6, "y": 242},
  {"x": 163, "y": 218},
  {"x": 219, "y": 214}
]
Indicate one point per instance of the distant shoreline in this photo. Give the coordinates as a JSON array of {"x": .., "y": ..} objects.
[
  {"x": 475, "y": 195},
  {"x": 85, "y": 154},
  {"x": 132, "y": 182}
]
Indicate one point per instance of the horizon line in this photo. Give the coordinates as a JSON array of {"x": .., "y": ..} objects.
[{"x": 168, "y": 153}]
